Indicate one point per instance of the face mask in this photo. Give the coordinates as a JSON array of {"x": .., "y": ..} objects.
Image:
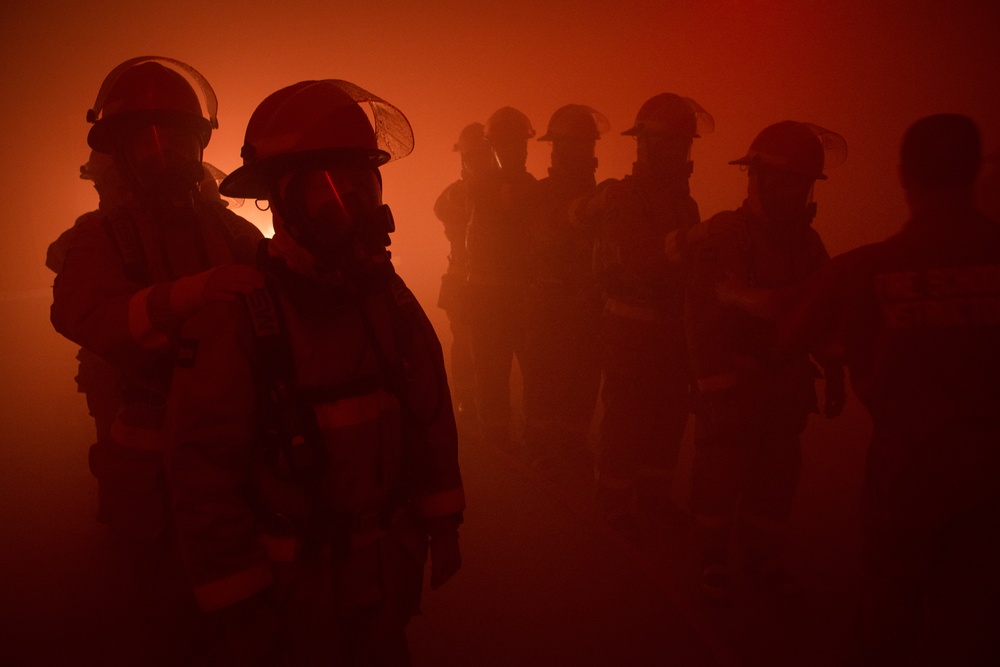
[
  {"x": 161, "y": 159},
  {"x": 335, "y": 212},
  {"x": 785, "y": 198}
]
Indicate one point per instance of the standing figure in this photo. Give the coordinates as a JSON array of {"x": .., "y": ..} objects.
[
  {"x": 919, "y": 316},
  {"x": 313, "y": 453},
  {"x": 454, "y": 209},
  {"x": 562, "y": 372},
  {"x": 154, "y": 253},
  {"x": 96, "y": 379},
  {"x": 497, "y": 245},
  {"x": 646, "y": 374},
  {"x": 753, "y": 403}
]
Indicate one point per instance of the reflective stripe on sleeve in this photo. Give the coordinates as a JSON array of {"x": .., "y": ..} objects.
[
  {"x": 237, "y": 586},
  {"x": 717, "y": 382},
  {"x": 137, "y": 437},
  {"x": 442, "y": 503},
  {"x": 354, "y": 410}
]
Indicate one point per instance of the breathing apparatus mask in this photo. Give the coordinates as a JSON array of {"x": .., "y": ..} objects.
[
  {"x": 335, "y": 212},
  {"x": 160, "y": 160},
  {"x": 786, "y": 198}
]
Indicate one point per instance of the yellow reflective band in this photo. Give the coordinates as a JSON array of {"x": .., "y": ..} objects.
[
  {"x": 354, "y": 410},
  {"x": 231, "y": 589}
]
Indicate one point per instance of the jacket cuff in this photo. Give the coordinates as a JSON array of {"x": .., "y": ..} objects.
[
  {"x": 443, "y": 503},
  {"x": 145, "y": 316}
]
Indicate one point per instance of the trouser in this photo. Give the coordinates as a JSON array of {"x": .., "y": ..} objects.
[
  {"x": 646, "y": 401},
  {"x": 463, "y": 371},
  {"x": 561, "y": 372},
  {"x": 745, "y": 476},
  {"x": 496, "y": 317},
  {"x": 931, "y": 588},
  {"x": 349, "y": 604}
]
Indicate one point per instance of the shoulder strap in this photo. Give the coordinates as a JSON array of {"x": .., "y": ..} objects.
[{"x": 120, "y": 228}]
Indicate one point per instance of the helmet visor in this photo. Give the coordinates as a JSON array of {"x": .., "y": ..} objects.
[
  {"x": 161, "y": 157},
  {"x": 322, "y": 207}
]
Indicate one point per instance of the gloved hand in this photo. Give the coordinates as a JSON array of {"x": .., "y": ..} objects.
[
  {"x": 221, "y": 283},
  {"x": 446, "y": 557},
  {"x": 835, "y": 391}
]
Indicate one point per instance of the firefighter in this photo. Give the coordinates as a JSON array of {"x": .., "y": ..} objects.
[
  {"x": 753, "y": 403},
  {"x": 562, "y": 369},
  {"x": 96, "y": 378},
  {"x": 313, "y": 456},
  {"x": 497, "y": 245},
  {"x": 919, "y": 316},
  {"x": 453, "y": 208},
  {"x": 646, "y": 376},
  {"x": 151, "y": 255}
]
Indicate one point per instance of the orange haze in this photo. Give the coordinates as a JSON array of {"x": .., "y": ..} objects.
[{"x": 863, "y": 68}]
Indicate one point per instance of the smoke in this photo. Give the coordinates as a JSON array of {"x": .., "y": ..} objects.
[{"x": 865, "y": 70}]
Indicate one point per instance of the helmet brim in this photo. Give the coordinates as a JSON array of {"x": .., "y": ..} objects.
[
  {"x": 254, "y": 180},
  {"x": 754, "y": 160},
  {"x": 636, "y": 130}
]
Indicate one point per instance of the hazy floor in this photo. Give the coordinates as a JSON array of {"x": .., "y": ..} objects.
[{"x": 545, "y": 582}]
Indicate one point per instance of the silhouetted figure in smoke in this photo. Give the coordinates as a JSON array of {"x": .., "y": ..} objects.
[
  {"x": 154, "y": 253},
  {"x": 919, "y": 315},
  {"x": 562, "y": 371},
  {"x": 313, "y": 450},
  {"x": 497, "y": 245},
  {"x": 454, "y": 208},
  {"x": 646, "y": 374},
  {"x": 753, "y": 403},
  {"x": 96, "y": 378}
]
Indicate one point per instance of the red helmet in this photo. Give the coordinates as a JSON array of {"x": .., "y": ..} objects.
[
  {"x": 669, "y": 114},
  {"x": 576, "y": 121},
  {"x": 508, "y": 124},
  {"x": 801, "y": 148},
  {"x": 472, "y": 137},
  {"x": 316, "y": 121},
  {"x": 147, "y": 90}
]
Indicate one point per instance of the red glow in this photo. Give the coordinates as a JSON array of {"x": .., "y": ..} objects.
[{"x": 861, "y": 68}]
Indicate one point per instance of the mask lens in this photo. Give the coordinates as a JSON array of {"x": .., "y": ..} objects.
[
  {"x": 326, "y": 205},
  {"x": 163, "y": 157}
]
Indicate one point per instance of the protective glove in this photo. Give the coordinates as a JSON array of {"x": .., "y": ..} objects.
[
  {"x": 835, "y": 392},
  {"x": 446, "y": 557},
  {"x": 221, "y": 283}
]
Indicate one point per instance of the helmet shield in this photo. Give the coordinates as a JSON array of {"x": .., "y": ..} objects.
[
  {"x": 576, "y": 122},
  {"x": 801, "y": 148},
  {"x": 670, "y": 114},
  {"x": 507, "y": 125},
  {"x": 152, "y": 89},
  {"x": 316, "y": 123}
]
